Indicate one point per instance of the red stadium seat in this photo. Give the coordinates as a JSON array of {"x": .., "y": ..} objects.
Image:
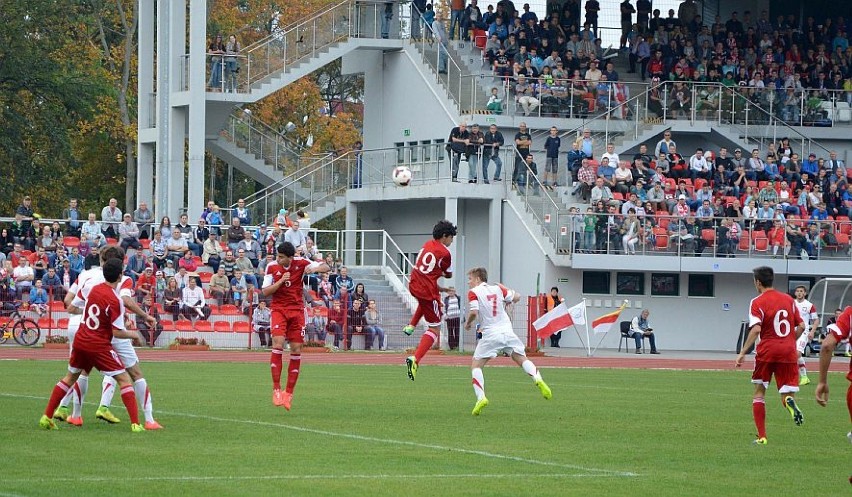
[
  {"x": 229, "y": 310},
  {"x": 205, "y": 277},
  {"x": 71, "y": 241},
  {"x": 204, "y": 326},
  {"x": 709, "y": 236},
  {"x": 167, "y": 324},
  {"x": 62, "y": 324},
  {"x": 146, "y": 243},
  {"x": 745, "y": 243},
  {"x": 222, "y": 326},
  {"x": 661, "y": 242},
  {"x": 46, "y": 324},
  {"x": 242, "y": 327},
  {"x": 57, "y": 306},
  {"x": 761, "y": 244},
  {"x": 184, "y": 326}
]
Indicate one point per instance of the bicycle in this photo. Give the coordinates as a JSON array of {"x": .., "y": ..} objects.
[{"x": 25, "y": 331}]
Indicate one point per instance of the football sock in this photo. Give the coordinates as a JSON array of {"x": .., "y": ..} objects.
[
  {"x": 849, "y": 401},
  {"x": 128, "y": 396},
  {"x": 108, "y": 391},
  {"x": 803, "y": 371},
  {"x": 478, "y": 383},
  {"x": 59, "y": 391},
  {"x": 426, "y": 342},
  {"x": 143, "y": 398},
  {"x": 66, "y": 401},
  {"x": 79, "y": 396},
  {"x": 530, "y": 369},
  {"x": 275, "y": 365},
  {"x": 758, "y": 409},
  {"x": 418, "y": 315},
  {"x": 293, "y": 372}
]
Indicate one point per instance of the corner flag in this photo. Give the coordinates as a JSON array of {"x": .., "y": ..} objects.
[
  {"x": 559, "y": 318},
  {"x": 605, "y": 322}
]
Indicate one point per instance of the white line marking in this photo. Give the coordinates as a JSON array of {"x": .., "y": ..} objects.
[
  {"x": 390, "y": 441},
  {"x": 111, "y": 479}
]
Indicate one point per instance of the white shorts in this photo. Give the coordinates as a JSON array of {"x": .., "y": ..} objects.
[
  {"x": 74, "y": 321},
  {"x": 124, "y": 348},
  {"x": 802, "y": 341},
  {"x": 494, "y": 343}
]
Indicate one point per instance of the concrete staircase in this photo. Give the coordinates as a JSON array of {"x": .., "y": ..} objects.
[{"x": 393, "y": 307}]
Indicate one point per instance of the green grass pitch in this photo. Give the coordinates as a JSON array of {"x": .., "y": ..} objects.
[{"x": 368, "y": 430}]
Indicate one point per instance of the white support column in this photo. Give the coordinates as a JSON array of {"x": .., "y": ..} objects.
[
  {"x": 164, "y": 74},
  {"x": 495, "y": 235},
  {"x": 351, "y": 226},
  {"x": 197, "y": 106},
  {"x": 451, "y": 214},
  {"x": 175, "y": 168},
  {"x": 146, "y": 113}
]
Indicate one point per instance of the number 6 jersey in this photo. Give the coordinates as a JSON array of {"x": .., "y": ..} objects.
[
  {"x": 432, "y": 262},
  {"x": 778, "y": 316}
]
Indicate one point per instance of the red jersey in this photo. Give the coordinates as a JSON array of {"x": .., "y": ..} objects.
[
  {"x": 432, "y": 262},
  {"x": 842, "y": 330},
  {"x": 288, "y": 297},
  {"x": 103, "y": 312},
  {"x": 778, "y": 316}
]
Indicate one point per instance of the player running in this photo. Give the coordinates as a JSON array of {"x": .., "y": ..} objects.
[
  {"x": 103, "y": 320},
  {"x": 774, "y": 318},
  {"x": 74, "y": 303},
  {"x": 839, "y": 331},
  {"x": 283, "y": 280},
  {"x": 433, "y": 262},
  {"x": 487, "y": 302},
  {"x": 809, "y": 316}
]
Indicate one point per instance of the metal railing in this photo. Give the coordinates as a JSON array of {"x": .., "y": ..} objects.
[
  {"x": 261, "y": 140},
  {"x": 662, "y": 234}
]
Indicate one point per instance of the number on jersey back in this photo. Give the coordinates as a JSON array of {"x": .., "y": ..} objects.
[
  {"x": 778, "y": 317},
  {"x": 490, "y": 303}
]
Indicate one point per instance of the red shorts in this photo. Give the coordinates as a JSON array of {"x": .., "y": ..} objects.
[
  {"x": 289, "y": 324},
  {"x": 786, "y": 375},
  {"x": 106, "y": 361},
  {"x": 431, "y": 311}
]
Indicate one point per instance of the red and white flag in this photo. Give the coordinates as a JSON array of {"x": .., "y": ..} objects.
[
  {"x": 605, "y": 322},
  {"x": 559, "y": 318}
]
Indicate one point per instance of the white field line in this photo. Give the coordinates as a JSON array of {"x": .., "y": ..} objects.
[
  {"x": 388, "y": 441},
  {"x": 194, "y": 478}
]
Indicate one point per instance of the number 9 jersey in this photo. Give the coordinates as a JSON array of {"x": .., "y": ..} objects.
[
  {"x": 778, "y": 317},
  {"x": 432, "y": 262}
]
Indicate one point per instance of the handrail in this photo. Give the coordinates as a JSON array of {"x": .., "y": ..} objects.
[
  {"x": 306, "y": 38},
  {"x": 421, "y": 47},
  {"x": 245, "y": 113},
  {"x": 280, "y": 31},
  {"x": 285, "y": 182}
]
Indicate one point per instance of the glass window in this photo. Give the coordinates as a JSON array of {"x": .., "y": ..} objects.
[
  {"x": 400, "y": 152},
  {"x": 630, "y": 283},
  {"x": 596, "y": 282},
  {"x": 415, "y": 151},
  {"x": 439, "y": 150},
  {"x": 665, "y": 284},
  {"x": 426, "y": 145},
  {"x": 700, "y": 285}
]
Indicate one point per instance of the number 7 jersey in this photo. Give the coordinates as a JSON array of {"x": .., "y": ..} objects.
[
  {"x": 490, "y": 303},
  {"x": 778, "y": 317},
  {"x": 432, "y": 262}
]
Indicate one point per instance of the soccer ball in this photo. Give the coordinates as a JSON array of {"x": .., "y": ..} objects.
[{"x": 401, "y": 176}]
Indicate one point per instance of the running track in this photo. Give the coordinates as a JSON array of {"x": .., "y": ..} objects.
[{"x": 388, "y": 358}]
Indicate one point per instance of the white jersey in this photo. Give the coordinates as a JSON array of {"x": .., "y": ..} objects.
[
  {"x": 95, "y": 276},
  {"x": 808, "y": 312},
  {"x": 489, "y": 302}
]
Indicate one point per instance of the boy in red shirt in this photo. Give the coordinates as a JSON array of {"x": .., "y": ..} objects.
[{"x": 433, "y": 262}]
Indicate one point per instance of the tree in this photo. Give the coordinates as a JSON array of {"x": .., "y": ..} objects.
[
  {"x": 116, "y": 33},
  {"x": 338, "y": 89},
  {"x": 47, "y": 88}
]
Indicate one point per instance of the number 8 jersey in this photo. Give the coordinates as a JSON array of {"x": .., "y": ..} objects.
[
  {"x": 432, "y": 262},
  {"x": 490, "y": 303},
  {"x": 778, "y": 317}
]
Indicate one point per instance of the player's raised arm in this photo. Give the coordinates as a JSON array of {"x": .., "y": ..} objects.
[{"x": 317, "y": 267}]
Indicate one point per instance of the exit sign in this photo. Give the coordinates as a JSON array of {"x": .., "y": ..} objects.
[
  {"x": 491, "y": 119},
  {"x": 406, "y": 132},
  {"x": 562, "y": 280}
]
